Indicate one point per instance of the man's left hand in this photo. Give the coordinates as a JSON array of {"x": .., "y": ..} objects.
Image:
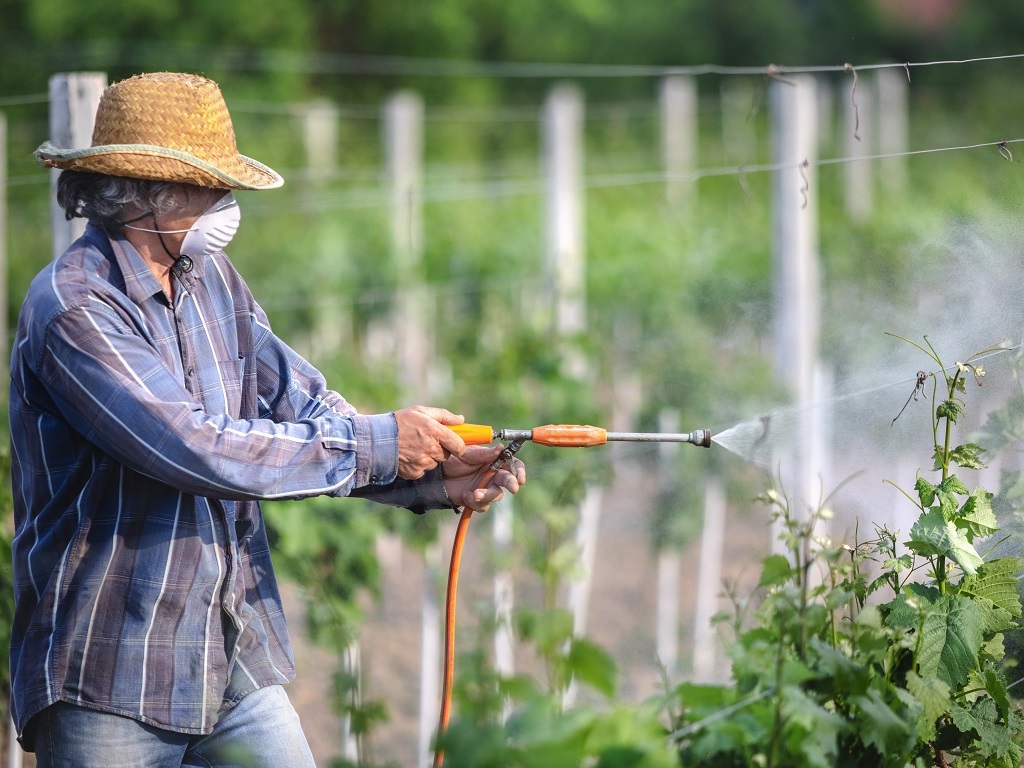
[{"x": 464, "y": 474}]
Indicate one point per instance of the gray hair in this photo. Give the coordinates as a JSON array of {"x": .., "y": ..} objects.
[{"x": 102, "y": 199}]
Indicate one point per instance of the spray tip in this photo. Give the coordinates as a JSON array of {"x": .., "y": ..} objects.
[{"x": 701, "y": 437}]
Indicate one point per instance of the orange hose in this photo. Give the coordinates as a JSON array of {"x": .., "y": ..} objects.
[{"x": 449, "y": 629}]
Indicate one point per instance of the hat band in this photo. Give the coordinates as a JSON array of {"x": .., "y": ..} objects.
[{"x": 47, "y": 151}]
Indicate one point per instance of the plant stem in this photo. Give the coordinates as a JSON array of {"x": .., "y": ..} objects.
[
  {"x": 773, "y": 745},
  {"x": 940, "y": 563}
]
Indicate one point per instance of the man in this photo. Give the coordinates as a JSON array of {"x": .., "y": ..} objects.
[{"x": 152, "y": 408}]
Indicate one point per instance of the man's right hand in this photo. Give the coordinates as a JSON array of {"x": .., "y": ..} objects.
[{"x": 424, "y": 441}]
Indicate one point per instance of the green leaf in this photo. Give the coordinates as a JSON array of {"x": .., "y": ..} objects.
[
  {"x": 813, "y": 732},
  {"x": 948, "y": 504},
  {"x": 993, "y": 648},
  {"x": 932, "y": 534},
  {"x": 953, "y": 484},
  {"x": 898, "y": 564},
  {"x": 518, "y": 687},
  {"x": 923, "y": 594},
  {"x": 976, "y": 516},
  {"x": 776, "y": 569},
  {"x": 925, "y": 492},
  {"x": 933, "y": 696},
  {"x": 947, "y": 493},
  {"x": 903, "y": 612},
  {"x": 996, "y": 687},
  {"x": 951, "y": 637},
  {"x": 949, "y": 409},
  {"x": 993, "y": 738},
  {"x": 547, "y": 629},
  {"x": 993, "y": 618},
  {"x": 968, "y": 456},
  {"x": 996, "y": 580},
  {"x": 838, "y": 597},
  {"x": 592, "y": 665},
  {"x": 548, "y": 739},
  {"x": 704, "y": 698},
  {"x": 842, "y": 672},
  {"x": 881, "y": 727},
  {"x": 994, "y": 588},
  {"x": 630, "y": 737}
]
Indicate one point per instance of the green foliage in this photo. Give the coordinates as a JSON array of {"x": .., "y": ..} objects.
[
  {"x": 826, "y": 674},
  {"x": 827, "y": 678},
  {"x": 329, "y": 553}
]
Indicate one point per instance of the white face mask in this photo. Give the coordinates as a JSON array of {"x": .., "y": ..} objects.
[
  {"x": 211, "y": 232},
  {"x": 214, "y": 229}
]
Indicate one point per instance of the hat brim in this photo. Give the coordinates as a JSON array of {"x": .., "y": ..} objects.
[{"x": 144, "y": 161}]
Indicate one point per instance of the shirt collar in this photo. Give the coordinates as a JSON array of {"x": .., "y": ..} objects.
[{"x": 140, "y": 282}]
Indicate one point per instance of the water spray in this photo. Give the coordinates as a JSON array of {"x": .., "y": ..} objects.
[{"x": 555, "y": 435}]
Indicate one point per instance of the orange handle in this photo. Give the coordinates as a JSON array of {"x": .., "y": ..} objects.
[
  {"x": 474, "y": 434},
  {"x": 569, "y": 435}
]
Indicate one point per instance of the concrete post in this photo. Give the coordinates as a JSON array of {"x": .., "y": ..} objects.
[
  {"x": 73, "y": 101},
  {"x": 795, "y": 225},
  {"x": 678, "y": 101}
]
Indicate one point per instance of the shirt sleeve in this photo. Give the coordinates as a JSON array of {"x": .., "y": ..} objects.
[
  {"x": 289, "y": 386},
  {"x": 292, "y": 389},
  {"x": 107, "y": 381},
  {"x": 426, "y": 493}
]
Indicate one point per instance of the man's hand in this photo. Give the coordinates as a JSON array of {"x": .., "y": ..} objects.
[
  {"x": 464, "y": 474},
  {"x": 424, "y": 441}
]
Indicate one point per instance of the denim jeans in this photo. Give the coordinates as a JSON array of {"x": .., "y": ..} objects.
[{"x": 261, "y": 731}]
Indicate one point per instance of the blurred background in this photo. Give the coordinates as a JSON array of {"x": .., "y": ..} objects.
[{"x": 644, "y": 216}]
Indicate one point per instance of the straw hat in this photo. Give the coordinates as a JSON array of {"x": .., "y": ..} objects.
[{"x": 166, "y": 127}]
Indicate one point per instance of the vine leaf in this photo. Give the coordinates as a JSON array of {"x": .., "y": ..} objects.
[
  {"x": 925, "y": 492},
  {"x": 776, "y": 570},
  {"x": 997, "y": 581},
  {"x": 883, "y": 728},
  {"x": 951, "y": 638},
  {"x": 949, "y": 409},
  {"x": 932, "y": 534},
  {"x": 933, "y": 696},
  {"x": 593, "y": 666},
  {"x": 997, "y": 690},
  {"x": 977, "y": 518},
  {"x": 820, "y": 730},
  {"x": 995, "y": 589},
  {"x": 968, "y": 456},
  {"x": 983, "y": 719}
]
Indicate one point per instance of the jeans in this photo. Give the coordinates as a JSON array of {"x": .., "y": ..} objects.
[{"x": 261, "y": 731}]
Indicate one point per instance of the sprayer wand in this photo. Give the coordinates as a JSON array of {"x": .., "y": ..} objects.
[
  {"x": 574, "y": 435},
  {"x": 556, "y": 435}
]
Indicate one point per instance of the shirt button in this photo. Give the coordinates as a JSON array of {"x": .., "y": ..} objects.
[{"x": 374, "y": 479}]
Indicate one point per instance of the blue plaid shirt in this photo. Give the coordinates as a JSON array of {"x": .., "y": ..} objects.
[{"x": 143, "y": 434}]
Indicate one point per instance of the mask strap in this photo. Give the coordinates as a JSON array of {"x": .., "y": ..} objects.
[
  {"x": 158, "y": 232},
  {"x": 140, "y": 217}
]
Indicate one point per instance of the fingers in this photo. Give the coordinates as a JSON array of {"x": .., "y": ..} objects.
[
  {"x": 476, "y": 456},
  {"x": 448, "y": 440},
  {"x": 481, "y": 499},
  {"x": 424, "y": 441},
  {"x": 518, "y": 469},
  {"x": 507, "y": 478},
  {"x": 503, "y": 478},
  {"x": 440, "y": 415}
]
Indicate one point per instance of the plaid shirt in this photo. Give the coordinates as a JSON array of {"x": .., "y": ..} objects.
[{"x": 143, "y": 434}]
